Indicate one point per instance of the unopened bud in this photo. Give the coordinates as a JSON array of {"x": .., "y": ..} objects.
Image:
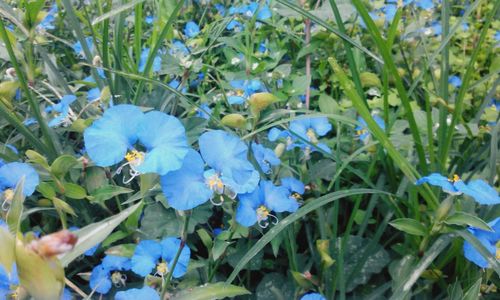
[
  {"x": 234, "y": 121},
  {"x": 370, "y": 80},
  {"x": 280, "y": 149},
  {"x": 97, "y": 61},
  {"x": 259, "y": 101}
]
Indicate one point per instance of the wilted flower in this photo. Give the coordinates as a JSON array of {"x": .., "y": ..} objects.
[
  {"x": 111, "y": 138},
  {"x": 145, "y": 293},
  {"x": 489, "y": 240},
  {"x": 107, "y": 273},
  {"x": 478, "y": 189},
  {"x": 256, "y": 207},
  {"x": 54, "y": 244},
  {"x": 150, "y": 254},
  {"x": 226, "y": 154}
]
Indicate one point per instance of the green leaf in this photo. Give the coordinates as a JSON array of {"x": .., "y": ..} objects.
[
  {"x": 275, "y": 286},
  {"x": 46, "y": 189},
  {"x": 116, "y": 10},
  {"x": 93, "y": 234},
  {"x": 126, "y": 250},
  {"x": 217, "y": 290},
  {"x": 38, "y": 159},
  {"x": 219, "y": 248},
  {"x": 462, "y": 218},
  {"x": 304, "y": 210},
  {"x": 409, "y": 226},
  {"x": 74, "y": 191},
  {"x": 63, "y": 206},
  {"x": 328, "y": 105},
  {"x": 95, "y": 178},
  {"x": 62, "y": 165},
  {"x": 300, "y": 84},
  {"x": 106, "y": 192},
  {"x": 473, "y": 292},
  {"x": 16, "y": 208},
  {"x": 205, "y": 238}
]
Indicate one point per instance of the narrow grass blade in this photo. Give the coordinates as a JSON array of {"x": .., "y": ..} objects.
[{"x": 116, "y": 11}]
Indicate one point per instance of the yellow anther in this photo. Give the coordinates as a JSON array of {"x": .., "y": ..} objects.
[
  {"x": 360, "y": 132},
  {"x": 262, "y": 212},
  {"x": 239, "y": 92},
  {"x": 215, "y": 183},
  {"x": 455, "y": 178},
  {"x": 312, "y": 136},
  {"x": 162, "y": 268},
  {"x": 8, "y": 195},
  {"x": 116, "y": 277},
  {"x": 297, "y": 196},
  {"x": 498, "y": 254},
  {"x": 134, "y": 155}
]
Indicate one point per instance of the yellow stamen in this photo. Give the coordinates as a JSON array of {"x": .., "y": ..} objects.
[
  {"x": 117, "y": 278},
  {"x": 134, "y": 155},
  {"x": 297, "y": 196},
  {"x": 239, "y": 92},
  {"x": 215, "y": 183},
  {"x": 455, "y": 178},
  {"x": 162, "y": 268},
  {"x": 312, "y": 136},
  {"x": 262, "y": 212},
  {"x": 8, "y": 195}
]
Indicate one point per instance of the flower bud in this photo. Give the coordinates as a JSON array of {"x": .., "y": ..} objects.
[
  {"x": 259, "y": 101},
  {"x": 279, "y": 150},
  {"x": 234, "y": 121},
  {"x": 370, "y": 80}
]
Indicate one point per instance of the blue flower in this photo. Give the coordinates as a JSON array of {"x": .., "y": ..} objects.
[
  {"x": 78, "y": 48},
  {"x": 179, "y": 47},
  {"x": 220, "y": 9},
  {"x": 109, "y": 138},
  {"x": 362, "y": 129},
  {"x": 175, "y": 84},
  {"x": 48, "y": 20},
  {"x": 478, "y": 189},
  {"x": 149, "y": 19},
  {"x": 256, "y": 207},
  {"x": 61, "y": 109},
  {"x": 234, "y": 25},
  {"x": 310, "y": 129},
  {"x": 488, "y": 239},
  {"x": 7, "y": 281},
  {"x": 228, "y": 156},
  {"x": 436, "y": 28},
  {"x": 94, "y": 94},
  {"x": 294, "y": 186},
  {"x": 66, "y": 295},
  {"x": 243, "y": 89},
  {"x": 312, "y": 296},
  {"x": 144, "y": 58},
  {"x": 424, "y": 4},
  {"x": 266, "y": 158},
  {"x": 455, "y": 81},
  {"x": 204, "y": 111},
  {"x": 148, "y": 253},
  {"x": 106, "y": 274},
  {"x": 186, "y": 188},
  {"x": 11, "y": 173},
  {"x": 191, "y": 29},
  {"x": 132, "y": 294}
]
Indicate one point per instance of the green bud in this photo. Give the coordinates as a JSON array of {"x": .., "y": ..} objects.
[
  {"x": 370, "y": 80},
  {"x": 259, "y": 101},
  {"x": 280, "y": 149},
  {"x": 234, "y": 121}
]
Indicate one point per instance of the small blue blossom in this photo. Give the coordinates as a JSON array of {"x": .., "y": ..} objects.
[
  {"x": 150, "y": 254},
  {"x": 61, "y": 109},
  {"x": 29, "y": 122},
  {"x": 78, "y": 48},
  {"x": 310, "y": 129},
  {"x": 163, "y": 136},
  {"x": 266, "y": 158},
  {"x": 437, "y": 179},
  {"x": 175, "y": 84},
  {"x": 132, "y": 294},
  {"x": 256, "y": 207},
  {"x": 179, "y": 48},
  {"x": 149, "y": 19},
  {"x": 7, "y": 281},
  {"x": 221, "y": 9},
  {"x": 234, "y": 25},
  {"x": 191, "y": 29},
  {"x": 489, "y": 239},
  {"x": 227, "y": 155},
  {"x": 455, "y": 81},
  {"x": 362, "y": 129},
  {"x": 436, "y": 28},
  {"x": 243, "y": 89},
  {"x": 312, "y": 296},
  {"x": 94, "y": 94},
  {"x": 144, "y": 58},
  {"x": 11, "y": 173},
  {"x": 48, "y": 20},
  {"x": 106, "y": 274},
  {"x": 293, "y": 185},
  {"x": 204, "y": 111},
  {"x": 186, "y": 188}
]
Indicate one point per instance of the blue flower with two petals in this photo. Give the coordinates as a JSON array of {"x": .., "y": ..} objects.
[
  {"x": 179, "y": 48},
  {"x": 111, "y": 138},
  {"x": 266, "y": 158},
  {"x": 256, "y": 207},
  {"x": 132, "y": 294},
  {"x": 107, "y": 274},
  {"x": 150, "y": 254},
  {"x": 78, "y": 48},
  {"x": 187, "y": 188},
  {"x": 61, "y": 110},
  {"x": 455, "y": 81},
  {"x": 243, "y": 89},
  {"x": 234, "y": 25},
  {"x": 362, "y": 129},
  {"x": 204, "y": 111},
  {"x": 227, "y": 155},
  {"x": 8, "y": 280},
  {"x": 310, "y": 129},
  {"x": 478, "y": 189},
  {"x": 191, "y": 29},
  {"x": 156, "y": 67},
  {"x": 294, "y": 186},
  {"x": 11, "y": 174},
  {"x": 48, "y": 20},
  {"x": 489, "y": 239}
]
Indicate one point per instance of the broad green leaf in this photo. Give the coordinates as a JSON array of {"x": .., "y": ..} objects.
[
  {"x": 7, "y": 246},
  {"x": 74, "y": 191},
  {"x": 473, "y": 293},
  {"x": 46, "y": 189},
  {"x": 219, "y": 248},
  {"x": 62, "y": 165},
  {"x": 212, "y": 291},
  {"x": 304, "y": 210},
  {"x": 95, "y": 178},
  {"x": 275, "y": 286},
  {"x": 93, "y": 234},
  {"x": 106, "y": 192},
  {"x": 409, "y": 226},
  {"x": 205, "y": 238},
  {"x": 462, "y": 218},
  {"x": 328, "y": 105}
]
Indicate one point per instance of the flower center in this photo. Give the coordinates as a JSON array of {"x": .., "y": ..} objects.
[
  {"x": 8, "y": 195},
  {"x": 215, "y": 184},
  {"x": 135, "y": 157},
  {"x": 312, "y": 136},
  {"x": 454, "y": 179},
  {"x": 239, "y": 92},
  {"x": 262, "y": 213},
  {"x": 162, "y": 269},
  {"x": 360, "y": 132},
  {"x": 296, "y": 196},
  {"x": 118, "y": 279}
]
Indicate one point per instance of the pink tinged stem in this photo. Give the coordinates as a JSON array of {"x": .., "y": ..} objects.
[{"x": 308, "y": 61}]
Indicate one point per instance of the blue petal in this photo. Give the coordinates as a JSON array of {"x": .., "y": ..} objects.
[
  {"x": 185, "y": 188},
  {"x": 265, "y": 157},
  {"x": 146, "y": 255},
  {"x": 293, "y": 185},
  {"x": 204, "y": 111},
  {"x": 114, "y": 262},
  {"x": 438, "y": 180},
  {"x": 276, "y": 198},
  {"x": 246, "y": 214},
  {"x": 132, "y": 294},
  {"x": 481, "y": 191},
  {"x": 276, "y": 133},
  {"x": 93, "y": 94},
  {"x": 11, "y": 173},
  {"x": 313, "y": 296},
  {"x": 474, "y": 256},
  {"x": 192, "y": 29},
  {"x": 100, "y": 280},
  {"x": 236, "y": 100},
  {"x": 165, "y": 139},
  {"x": 108, "y": 138},
  {"x": 170, "y": 246},
  {"x": 66, "y": 295}
]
